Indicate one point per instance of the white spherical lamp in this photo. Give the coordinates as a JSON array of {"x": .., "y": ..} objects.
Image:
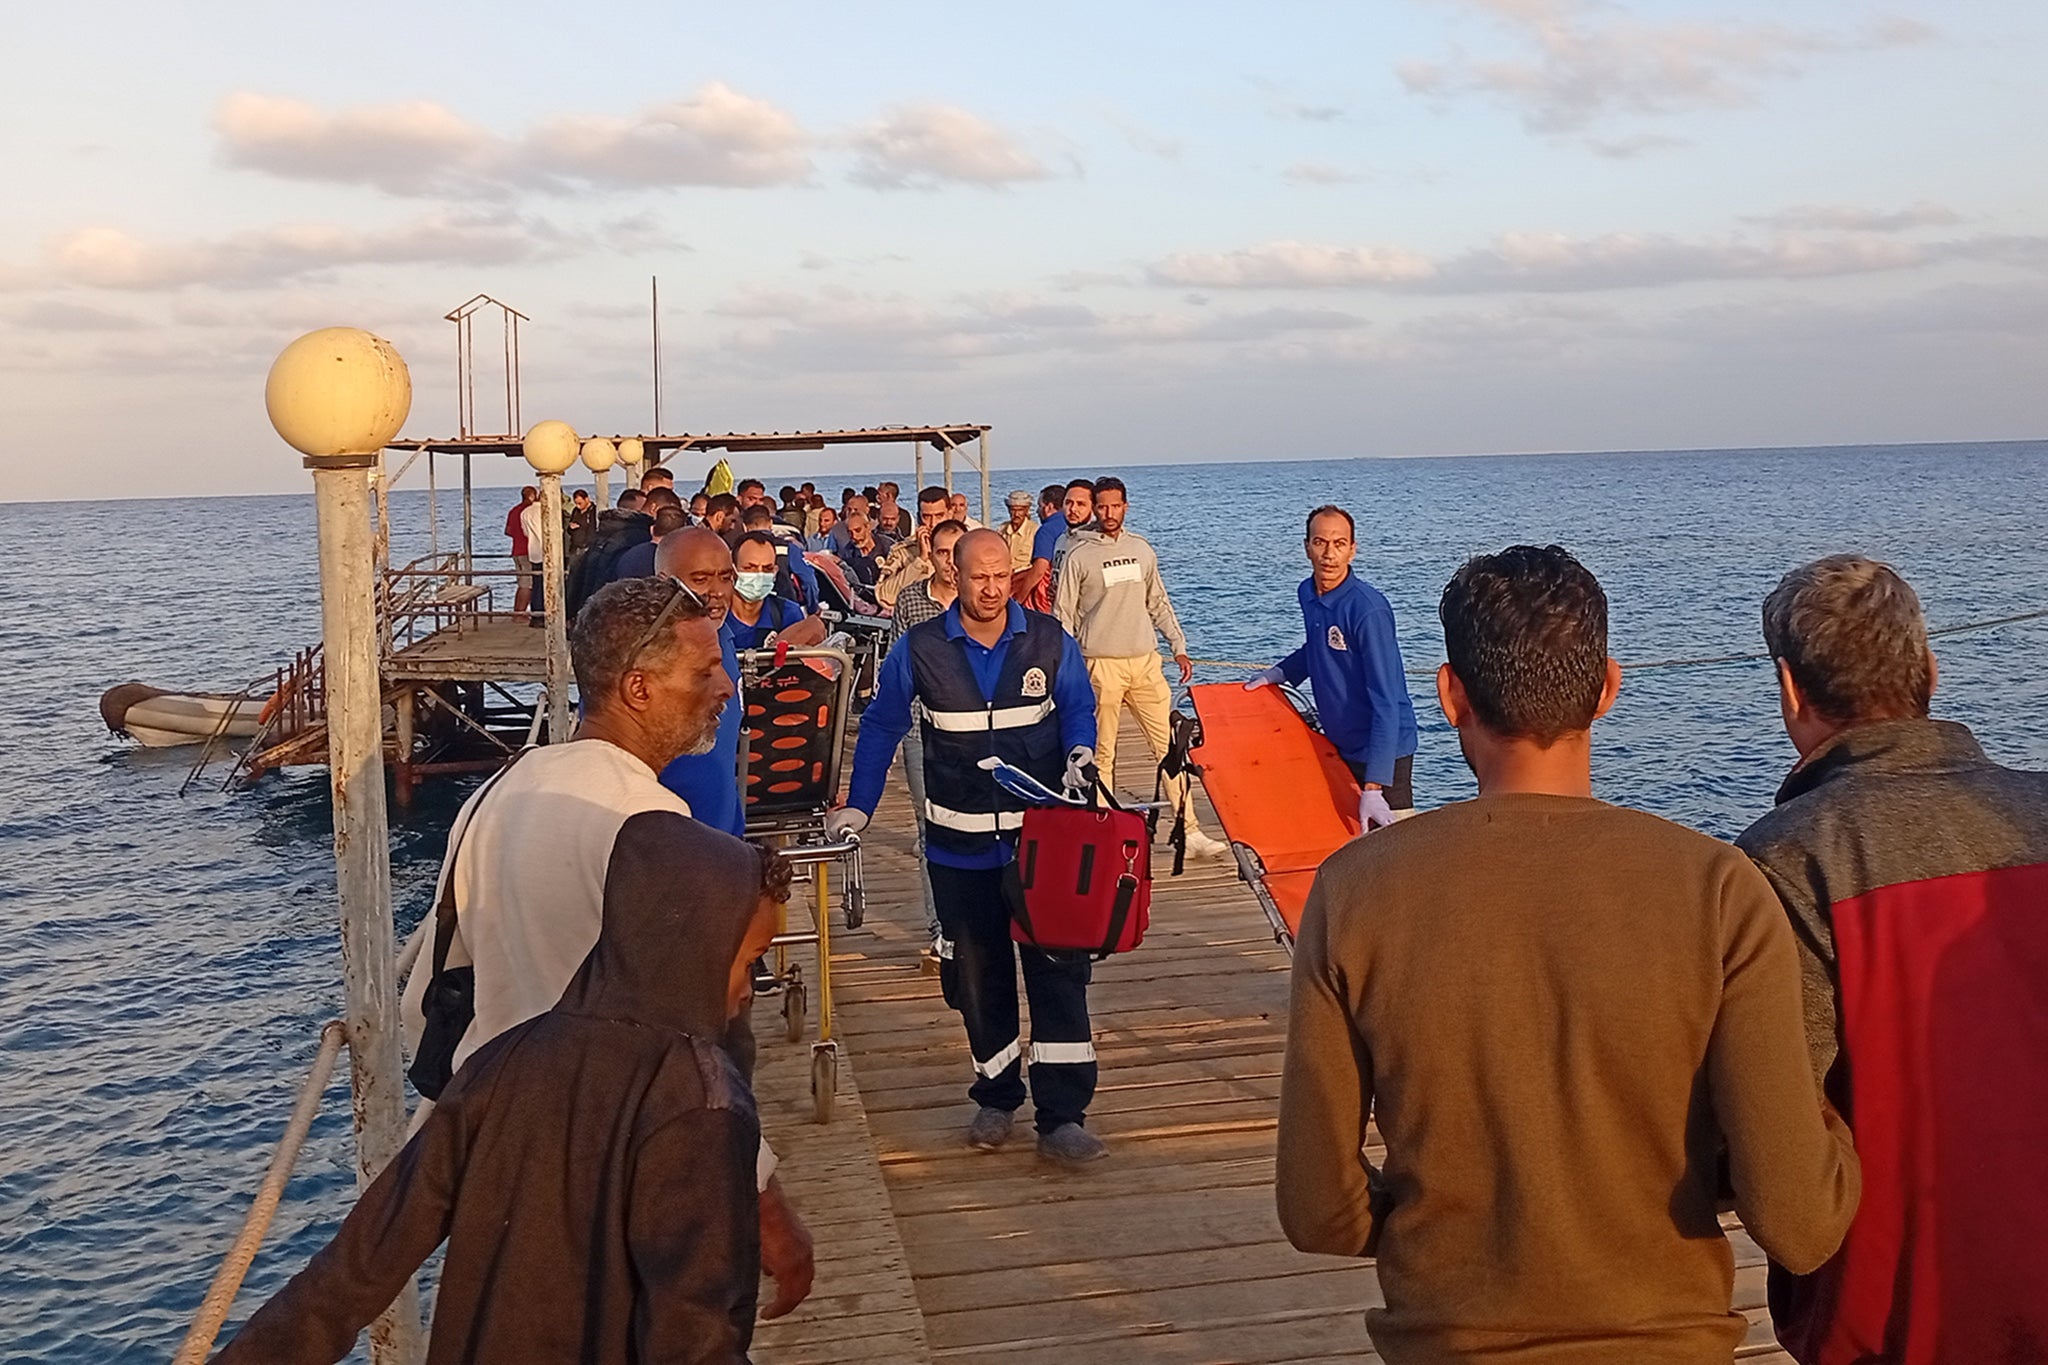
[
  {"x": 550, "y": 446},
  {"x": 631, "y": 451},
  {"x": 599, "y": 454},
  {"x": 338, "y": 391}
]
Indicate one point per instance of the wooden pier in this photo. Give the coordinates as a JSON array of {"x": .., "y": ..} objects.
[{"x": 1168, "y": 1251}]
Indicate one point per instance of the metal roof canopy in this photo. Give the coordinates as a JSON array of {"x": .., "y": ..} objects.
[
  {"x": 948, "y": 436},
  {"x": 948, "y": 439}
]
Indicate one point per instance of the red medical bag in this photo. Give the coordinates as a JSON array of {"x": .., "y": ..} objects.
[{"x": 1082, "y": 880}]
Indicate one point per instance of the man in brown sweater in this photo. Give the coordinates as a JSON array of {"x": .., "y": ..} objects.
[{"x": 1563, "y": 1017}]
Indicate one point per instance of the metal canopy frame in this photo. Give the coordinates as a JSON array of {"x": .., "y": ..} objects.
[{"x": 953, "y": 441}]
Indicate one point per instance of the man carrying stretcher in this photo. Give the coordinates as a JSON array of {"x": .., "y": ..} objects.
[
  {"x": 1353, "y": 663},
  {"x": 989, "y": 679}
]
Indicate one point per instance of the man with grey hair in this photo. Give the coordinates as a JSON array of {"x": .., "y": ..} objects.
[
  {"x": 537, "y": 856},
  {"x": 1915, "y": 874}
]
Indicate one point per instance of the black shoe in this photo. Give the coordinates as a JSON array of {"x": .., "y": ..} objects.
[
  {"x": 1071, "y": 1145},
  {"x": 990, "y": 1129}
]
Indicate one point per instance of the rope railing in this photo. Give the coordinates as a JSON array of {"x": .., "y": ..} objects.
[
  {"x": 1697, "y": 661},
  {"x": 227, "y": 1281}
]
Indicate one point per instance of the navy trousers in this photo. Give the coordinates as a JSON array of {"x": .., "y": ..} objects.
[{"x": 978, "y": 972}]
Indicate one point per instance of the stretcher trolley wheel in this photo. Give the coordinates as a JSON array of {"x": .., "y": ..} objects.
[
  {"x": 794, "y": 1000},
  {"x": 856, "y": 902},
  {"x": 824, "y": 1080}
]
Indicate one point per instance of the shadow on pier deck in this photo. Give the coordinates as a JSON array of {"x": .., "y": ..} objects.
[{"x": 1169, "y": 1251}]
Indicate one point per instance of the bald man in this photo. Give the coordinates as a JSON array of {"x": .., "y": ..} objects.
[
  {"x": 988, "y": 678},
  {"x": 710, "y": 782}
]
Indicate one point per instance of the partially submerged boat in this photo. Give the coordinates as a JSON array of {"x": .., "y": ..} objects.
[{"x": 159, "y": 719}]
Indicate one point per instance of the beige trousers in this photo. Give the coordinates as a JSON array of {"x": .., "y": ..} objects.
[{"x": 1140, "y": 683}]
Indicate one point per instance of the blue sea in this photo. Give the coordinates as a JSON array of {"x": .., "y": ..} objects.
[{"x": 166, "y": 960}]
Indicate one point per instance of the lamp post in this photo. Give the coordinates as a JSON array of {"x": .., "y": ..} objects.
[
  {"x": 338, "y": 396},
  {"x": 631, "y": 453},
  {"x": 598, "y": 457},
  {"x": 551, "y": 447}
]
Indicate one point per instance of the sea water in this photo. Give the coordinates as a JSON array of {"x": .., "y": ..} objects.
[{"x": 166, "y": 960}]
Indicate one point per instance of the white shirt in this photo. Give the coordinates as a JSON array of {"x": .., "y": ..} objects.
[
  {"x": 529, "y": 880},
  {"x": 531, "y": 519}
]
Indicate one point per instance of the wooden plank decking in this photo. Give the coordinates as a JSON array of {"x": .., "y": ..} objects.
[{"x": 1169, "y": 1251}]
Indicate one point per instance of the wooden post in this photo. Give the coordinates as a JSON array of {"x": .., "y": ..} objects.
[
  {"x": 981, "y": 453},
  {"x": 561, "y": 717},
  {"x": 468, "y": 543},
  {"x": 402, "y": 741},
  {"x": 918, "y": 447},
  {"x": 362, "y": 842},
  {"x": 946, "y": 448}
]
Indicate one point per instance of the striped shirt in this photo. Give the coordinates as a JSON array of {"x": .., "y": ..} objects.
[{"x": 914, "y": 607}]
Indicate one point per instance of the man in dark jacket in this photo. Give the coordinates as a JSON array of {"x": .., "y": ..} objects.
[
  {"x": 592, "y": 1169},
  {"x": 1915, "y": 873},
  {"x": 619, "y": 529}
]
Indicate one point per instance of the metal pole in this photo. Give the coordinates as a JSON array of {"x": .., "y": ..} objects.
[
  {"x": 946, "y": 447},
  {"x": 918, "y": 446},
  {"x": 433, "y": 511},
  {"x": 561, "y": 719},
  {"x": 981, "y": 454},
  {"x": 362, "y": 843},
  {"x": 604, "y": 488},
  {"x": 468, "y": 547}
]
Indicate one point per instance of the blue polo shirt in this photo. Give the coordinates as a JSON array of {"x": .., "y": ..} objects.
[
  {"x": 1353, "y": 663},
  {"x": 777, "y": 614},
  {"x": 710, "y": 782},
  {"x": 1047, "y": 536},
  {"x": 888, "y": 718}
]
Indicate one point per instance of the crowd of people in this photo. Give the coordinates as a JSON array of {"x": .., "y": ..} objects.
[{"x": 1537, "y": 1042}]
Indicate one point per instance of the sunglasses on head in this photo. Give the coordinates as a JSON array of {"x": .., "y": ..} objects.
[{"x": 668, "y": 609}]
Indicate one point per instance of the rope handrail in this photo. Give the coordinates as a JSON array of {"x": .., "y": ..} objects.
[
  {"x": 227, "y": 1281},
  {"x": 1697, "y": 661}
]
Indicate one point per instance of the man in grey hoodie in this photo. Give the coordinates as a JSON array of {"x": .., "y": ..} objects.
[{"x": 1110, "y": 598}]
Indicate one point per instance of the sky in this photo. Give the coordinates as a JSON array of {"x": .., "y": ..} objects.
[{"x": 1117, "y": 233}]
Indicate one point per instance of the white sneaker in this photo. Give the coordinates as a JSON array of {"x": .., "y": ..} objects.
[{"x": 1201, "y": 845}]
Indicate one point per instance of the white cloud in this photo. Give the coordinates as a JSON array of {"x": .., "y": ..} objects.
[
  {"x": 1628, "y": 148},
  {"x": 110, "y": 258},
  {"x": 67, "y": 315},
  {"x": 716, "y": 136},
  {"x": 414, "y": 147},
  {"x": 922, "y": 146},
  {"x": 1849, "y": 218},
  {"x": 1320, "y": 173},
  {"x": 840, "y": 330},
  {"x": 1581, "y": 64},
  {"x": 1289, "y": 265},
  {"x": 1556, "y": 262}
]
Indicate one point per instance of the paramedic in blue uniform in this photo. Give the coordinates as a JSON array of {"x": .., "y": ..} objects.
[
  {"x": 1353, "y": 665},
  {"x": 990, "y": 678}
]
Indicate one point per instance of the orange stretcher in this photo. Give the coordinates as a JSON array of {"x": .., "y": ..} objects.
[{"x": 1286, "y": 800}]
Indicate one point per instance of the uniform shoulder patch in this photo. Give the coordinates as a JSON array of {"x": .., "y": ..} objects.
[
  {"x": 1337, "y": 638},
  {"x": 1034, "y": 682}
]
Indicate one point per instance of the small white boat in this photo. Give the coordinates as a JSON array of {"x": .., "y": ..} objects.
[{"x": 162, "y": 720}]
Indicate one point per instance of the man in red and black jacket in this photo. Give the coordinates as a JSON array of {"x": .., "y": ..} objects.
[{"x": 1915, "y": 873}]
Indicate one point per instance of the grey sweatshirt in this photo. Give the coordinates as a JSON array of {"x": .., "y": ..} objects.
[{"x": 1110, "y": 598}]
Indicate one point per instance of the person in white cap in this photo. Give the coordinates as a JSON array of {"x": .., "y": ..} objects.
[{"x": 1018, "y": 530}]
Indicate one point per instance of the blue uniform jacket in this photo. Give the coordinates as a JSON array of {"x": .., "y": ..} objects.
[
  {"x": 888, "y": 718},
  {"x": 1353, "y": 663}
]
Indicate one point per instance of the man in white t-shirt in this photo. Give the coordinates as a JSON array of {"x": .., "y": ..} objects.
[{"x": 575, "y": 827}]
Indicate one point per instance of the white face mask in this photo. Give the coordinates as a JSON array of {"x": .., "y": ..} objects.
[{"x": 755, "y": 587}]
